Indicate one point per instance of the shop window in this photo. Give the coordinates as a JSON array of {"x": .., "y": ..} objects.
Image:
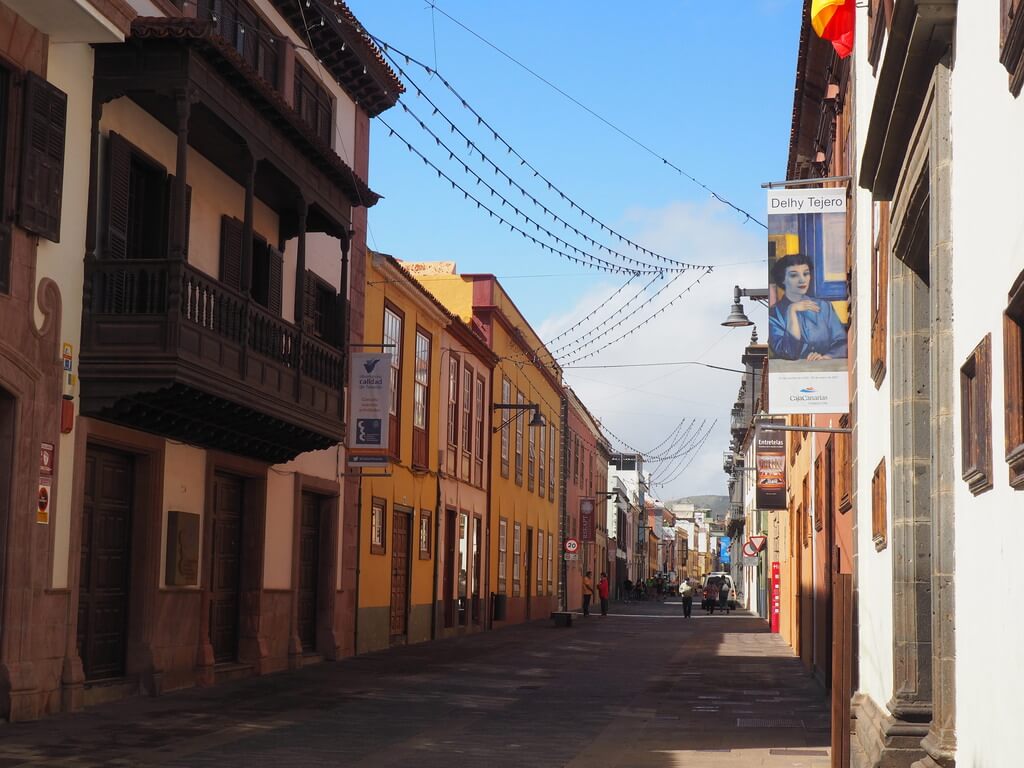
[
  {"x": 976, "y": 417},
  {"x": 1013, "y": 361}
]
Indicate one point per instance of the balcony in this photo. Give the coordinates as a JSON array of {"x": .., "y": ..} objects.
[{"x": 169, "y": 350}]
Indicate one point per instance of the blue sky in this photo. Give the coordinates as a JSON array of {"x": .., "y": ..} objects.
[{"x": 703, "y": 85}]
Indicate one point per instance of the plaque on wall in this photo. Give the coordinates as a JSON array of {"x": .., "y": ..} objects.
[{"x": 182, "y": 566}]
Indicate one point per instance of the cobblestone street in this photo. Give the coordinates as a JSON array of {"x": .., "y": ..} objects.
[{"x": 641, "y": 687}]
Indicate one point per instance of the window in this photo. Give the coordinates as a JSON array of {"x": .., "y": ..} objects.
[
  {"x": 267, "y": 281},
  {"x": 393, "y": 322},
  {"x": 1011, "y": 42},
  {"x": 453, "y": 421},
  {"x": 426, "y": 535},
  {"x": 378, "y": 513},
  {"x": 879, "y": 522},
  {"x": 321, "y": 308},
  {"x": 255, "y": 40},
  {"x": 879, "y": 289},
  {"x": 421, "y": 399},
  {"x": 506, "y": 397},
  {"x": 819, "y": 495},
  {"x": 517, "y": 543},
  {"x": 502, "y": 556},
  {"x": 467, "y": 424},
  {"x": 540, "y": 563},
  {"x": 976, "y": 417},
  {"x": 575, "y": 448},
  {"x": 313, "y": 103},
  {"x": 531, "y": 457},
  {"x": 879, "y": 21},
  {"x": 267, "y": 278},
  {"x": 519, "y": 438},
  {"x": 463, "y": 571},
  {"x": 478, "y": 442},
  {"x": 1013, "y": 361},
  {"x": 551, "y": 562},
  {"x": 41, "y": 180},
  {"x": 542, "y": 458}
]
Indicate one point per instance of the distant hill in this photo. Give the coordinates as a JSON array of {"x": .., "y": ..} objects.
[{"x": 718, "y": 505}]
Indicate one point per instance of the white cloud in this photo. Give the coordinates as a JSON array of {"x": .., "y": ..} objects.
[{"x": 642, "y": 405}]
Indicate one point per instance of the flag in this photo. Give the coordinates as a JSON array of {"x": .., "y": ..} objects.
[{"x": 833, "y": 20}]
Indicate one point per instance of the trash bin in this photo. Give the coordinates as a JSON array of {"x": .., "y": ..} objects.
[{"x": 499, "y": 606}]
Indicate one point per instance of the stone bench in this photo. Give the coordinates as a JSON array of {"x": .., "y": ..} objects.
[{"x": 562, "y": 618}]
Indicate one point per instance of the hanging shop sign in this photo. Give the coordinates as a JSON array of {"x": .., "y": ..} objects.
[
  {"x": 369, "y": 402},
  {"x": 724, "y": 556},
  {"x": 587, "y": 532},
  {"x": 770, "y": 458},
  {"x": 808, "y": 301}
]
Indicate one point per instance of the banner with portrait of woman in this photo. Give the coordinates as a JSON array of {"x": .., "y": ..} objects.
[{"x": 808, "y": 302}]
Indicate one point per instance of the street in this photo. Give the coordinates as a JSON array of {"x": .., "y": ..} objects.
[{"x": 640, "y": 687}]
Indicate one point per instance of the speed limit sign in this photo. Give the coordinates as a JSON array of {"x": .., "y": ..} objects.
[{"x": 572, "y": 545}]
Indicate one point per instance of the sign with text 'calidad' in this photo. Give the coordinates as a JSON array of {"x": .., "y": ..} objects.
[
  {"x": 808, "y": 301},
  {"x": 369, "y": 397}
]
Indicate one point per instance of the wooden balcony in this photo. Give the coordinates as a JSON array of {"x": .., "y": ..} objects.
[{"x": 169, "y": 350}]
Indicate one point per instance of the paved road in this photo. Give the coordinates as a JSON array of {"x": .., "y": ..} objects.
[{"x": 641, "y": 688}]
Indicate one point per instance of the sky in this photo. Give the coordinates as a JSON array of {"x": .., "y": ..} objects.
[{"x": 707, "y": 87}]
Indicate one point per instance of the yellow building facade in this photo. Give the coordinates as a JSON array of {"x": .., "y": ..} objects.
[
  {"x": 397, "y": 549},
  {"x": 525, "y": 546}
]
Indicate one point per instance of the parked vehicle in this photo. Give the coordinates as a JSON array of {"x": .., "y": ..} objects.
[{"x": 724, "y": 581}]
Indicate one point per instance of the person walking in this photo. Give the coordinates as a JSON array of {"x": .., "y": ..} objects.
[
  {"x": 686, "y": 592},
  {"x": 711, "y": 596},
  {"x": 602, "y": 592},
  {"x": 627, "y": 589},
  {"x": 588, "y": 593}
]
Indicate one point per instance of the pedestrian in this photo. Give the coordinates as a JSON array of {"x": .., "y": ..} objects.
[
  {"x": 686, "y": 592},
  {"x": 723, "y": 597},
  {"x": 602, "y": 592},
  {"x": 588, "y": 593},
  {"x": 711, "y": 596},
  {"x": 627, "y": 588}
]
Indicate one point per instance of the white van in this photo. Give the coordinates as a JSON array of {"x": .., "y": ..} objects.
[{"x": 722, "y": 576}]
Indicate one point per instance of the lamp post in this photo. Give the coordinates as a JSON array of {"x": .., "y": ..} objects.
[{"x": 737, "y": 317}]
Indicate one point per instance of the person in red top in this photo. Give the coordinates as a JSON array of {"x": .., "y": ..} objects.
[{"x": 602, "y": 592}]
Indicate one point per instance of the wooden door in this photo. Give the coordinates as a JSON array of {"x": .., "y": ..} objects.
[
  {"x": 449, "y": 567},
  {"x": 399, "y": 576},
  {"x": 226, "y": 567},
  {"x": 309, "y": 569},
  {"x": 105, "y": 562}
]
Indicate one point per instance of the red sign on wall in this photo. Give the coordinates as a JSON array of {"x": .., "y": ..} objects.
[
  {"x": 776, "y": 596},
  {"x": 587, "y": 531}
]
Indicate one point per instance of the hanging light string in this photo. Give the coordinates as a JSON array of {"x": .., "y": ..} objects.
[
  {"x": 576, "y": 357},
  {"x": 388, "y": 48},
  {"x": 747, "y": 216},
  {"x": 672, "y": 434},
  {"x": 473, "y": 147},
  {"x": 682, "y": 447},
  {"x": 647, "y": 457},
  {"x": 686, "y": 466},
  {"x": 589, "y": 314},
  {"x": 567, "y": 347},
  {"x": 583, "y": 257}
]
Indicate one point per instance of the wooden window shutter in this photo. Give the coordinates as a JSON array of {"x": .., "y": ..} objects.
[
  {"x": 276, "y": 290},
  {"x": 231, "y": 252},
  {"x": 42, "y": 158},
  {"x": 311, "y": 311},
  {"x": 119, "y": 167},
  {"x": 169, "y": 196}
]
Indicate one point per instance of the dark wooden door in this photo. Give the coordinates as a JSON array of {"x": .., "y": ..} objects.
[
  {"x": 309, "y": 569},
  {"x": 226, "y": 567},
  {"x": 399, "y": 576},
  {"x": 105, "y": 562},
  {"x": 449, "y": 567}
]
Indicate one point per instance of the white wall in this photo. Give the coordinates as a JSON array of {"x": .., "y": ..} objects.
[
  {"x": 874, "y": 437},
  {"x": 988, "y": 254}
]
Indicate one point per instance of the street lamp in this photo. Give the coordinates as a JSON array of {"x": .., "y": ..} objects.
[
  {"x": 737, "y": 317},
  {"x": 537, "y": 420}
]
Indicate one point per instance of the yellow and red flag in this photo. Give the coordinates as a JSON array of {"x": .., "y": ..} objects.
[{"x": 833, "y": 20}]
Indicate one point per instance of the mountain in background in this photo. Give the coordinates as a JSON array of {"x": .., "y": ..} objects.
[{"x": 718, "y": 505}]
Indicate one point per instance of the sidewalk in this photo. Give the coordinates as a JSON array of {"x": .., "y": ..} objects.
[{"x": 640, "y": 687}]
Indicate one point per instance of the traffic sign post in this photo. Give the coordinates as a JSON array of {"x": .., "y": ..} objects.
[{"x": 572, "y": 546}]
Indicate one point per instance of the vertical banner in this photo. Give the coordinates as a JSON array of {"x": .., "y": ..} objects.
[
  {"x": 808, "y": 301},
  {"x": 369, "y": 397},
  {"x": 770, "y": 457},
  {"x": 724, "y": 556},
  {"x": 587, "y": 528},
  {"x": 776, "y": 596}
]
